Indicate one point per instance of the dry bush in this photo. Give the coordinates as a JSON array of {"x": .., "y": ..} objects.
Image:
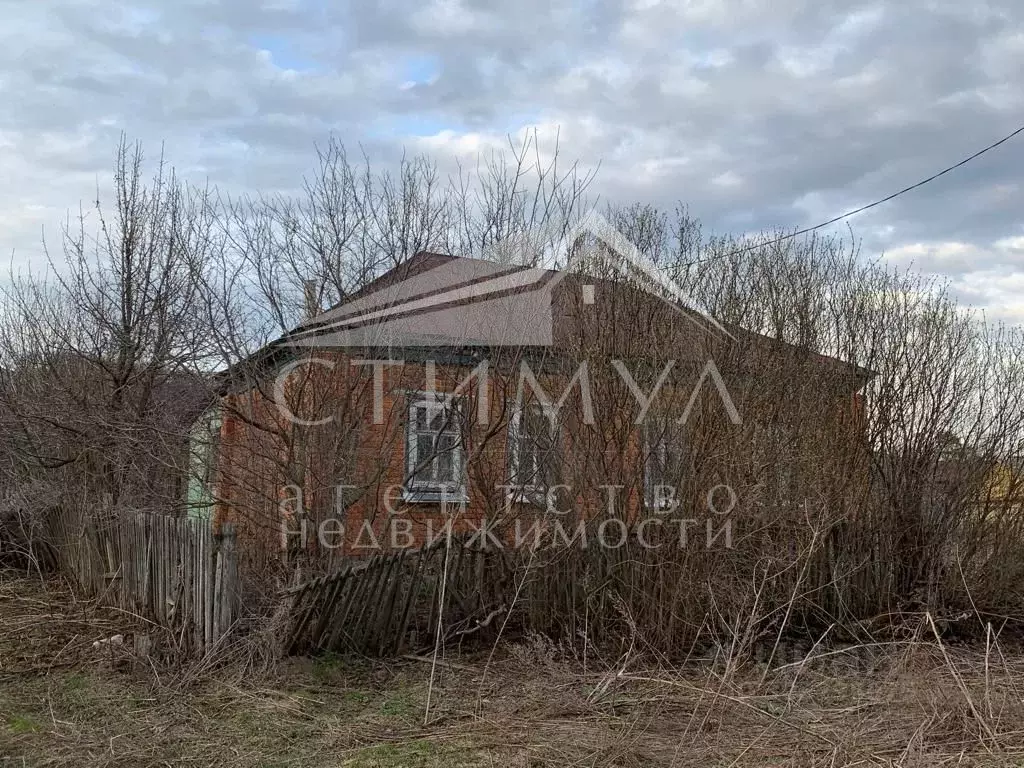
[
  {"x": 875, "y": 466},
  {"x": 875, "y": 471}
]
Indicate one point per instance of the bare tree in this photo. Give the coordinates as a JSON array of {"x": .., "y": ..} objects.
[
  {"x": 280, "y": 260},
  {"x": 869, "y": 454}
]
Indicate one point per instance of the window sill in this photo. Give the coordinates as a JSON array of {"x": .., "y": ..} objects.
[
  {"x": 534, "y": 497},
  {"x": 429, "y": 496}
]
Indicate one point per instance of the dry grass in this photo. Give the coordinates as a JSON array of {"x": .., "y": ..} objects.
[{"x": 64, "y": 704}]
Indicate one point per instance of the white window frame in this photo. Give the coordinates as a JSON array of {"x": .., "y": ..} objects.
[
  {"x": 204, "y": 457},
  {"x": 531, "y": 492},
  {"x": 656, "y": 448},
  {"x": 430, "y": 491}
]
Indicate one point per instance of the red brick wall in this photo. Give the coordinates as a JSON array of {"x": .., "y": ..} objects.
[{"x": 263, "y": 459}]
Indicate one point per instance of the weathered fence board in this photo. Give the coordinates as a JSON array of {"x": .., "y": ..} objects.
[
  {"x": 171, "y": 571},
  {"x": 390, "y": 603},
  {"x": 456, "y": 587}
]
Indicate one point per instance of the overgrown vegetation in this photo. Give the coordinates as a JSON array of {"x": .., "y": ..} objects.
[
  {"x": 875, "y": 471},
  {"x": 918, "y": 704}
]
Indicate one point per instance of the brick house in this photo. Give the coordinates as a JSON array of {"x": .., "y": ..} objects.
[{"x": 578, "y": 394}]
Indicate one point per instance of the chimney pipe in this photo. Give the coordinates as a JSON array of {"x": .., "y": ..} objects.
[{"x": 311, "y": 298}]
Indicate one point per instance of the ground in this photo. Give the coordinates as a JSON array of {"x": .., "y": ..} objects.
[{"x": 64, "y": 703}]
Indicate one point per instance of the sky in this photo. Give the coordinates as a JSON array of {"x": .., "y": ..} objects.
[{"x": 758, "y": 114}]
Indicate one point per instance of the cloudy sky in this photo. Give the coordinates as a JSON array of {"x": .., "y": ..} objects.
[{"x": 757, "y": 113}]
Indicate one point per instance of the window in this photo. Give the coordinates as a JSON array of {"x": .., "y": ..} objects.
[
  {"x": 204, "y": 443},
  {"x": 532, "y": 445},
  {"x": 776, "y": 456},
  {"x": 434, "y": 468},
  {"x": 663, "y": 466}
]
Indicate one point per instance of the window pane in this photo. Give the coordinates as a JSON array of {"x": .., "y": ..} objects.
[
  {"x": 440, "y": 419},
  {"x": 424, "y": 453},
  {"x": 537, "y": 424},
  {"x": 446, "y": 458},
  {"x": 661, "y": 459},
  {"x": 547, "y": 450},
  {"x": 524, "y": 461},
  {"x": 665, "y": 463},
  {"x": 531, "y": 448},
  {"x": 546, "y": 465}
]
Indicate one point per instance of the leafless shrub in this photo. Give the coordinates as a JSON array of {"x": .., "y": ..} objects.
[
  {"x": 101, "y": 377},
  {"x": 873, "y": 471}
]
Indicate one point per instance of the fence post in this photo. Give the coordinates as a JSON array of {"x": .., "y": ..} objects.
[{"x": 227, "y": 571}]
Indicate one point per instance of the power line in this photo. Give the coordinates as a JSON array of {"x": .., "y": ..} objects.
[{"x": 863, "y": 208}]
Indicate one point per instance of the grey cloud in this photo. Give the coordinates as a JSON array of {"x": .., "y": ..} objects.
[{"x": 758, "y": 113}]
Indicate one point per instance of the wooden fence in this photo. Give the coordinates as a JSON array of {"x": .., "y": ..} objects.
[
  {"x": 399, "y": 601},
  {"x": 454, "y": 589},
  {"x": 171, "y": 571}
]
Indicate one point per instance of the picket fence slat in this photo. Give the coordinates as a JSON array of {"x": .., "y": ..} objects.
[{"x": 170, "y": 571}]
